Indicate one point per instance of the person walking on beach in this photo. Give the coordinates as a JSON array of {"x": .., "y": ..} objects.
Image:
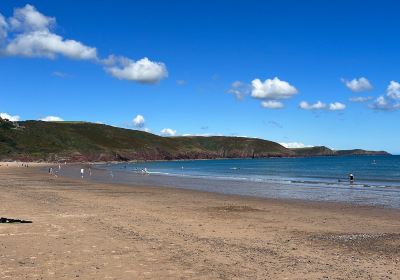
[{"x": 82, "y": 172}]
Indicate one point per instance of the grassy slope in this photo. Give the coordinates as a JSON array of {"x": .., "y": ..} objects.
[
  {"x": 315, "y": 151},
  {"x": 37, "y": 140},
  {"x": 324, "y": 151}
]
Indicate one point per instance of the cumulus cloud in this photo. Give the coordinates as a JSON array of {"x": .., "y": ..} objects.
[
  {"x": 143, "y": 71},
  {"x": 46, "y": 44},
  {"x": 168, "y": 132},
  {"x": 3, "y": 29},
  {"x": 360, "y": 99},
  {"x": 382, "y": 104},
  {"x": 239, "y": 89},
  {"x": 272, "y": 104},
  {"x": 337, "y": 106},
  {"x": 316, "y": 106},
  {"x": 393, "y": 90},
  {"x": 52, "y": 119},
  {"x": 10, "y": 117},
  {"x": 293, "y": 145},
  {"x": 272, "y": 89},
  {"x": 32, "y": 37},
  {"x": 29, "y": 19},
  {"x": 29, "y": 33},
  {"x": 358, "y": 85},
  {"x": 138, "y": 121}
]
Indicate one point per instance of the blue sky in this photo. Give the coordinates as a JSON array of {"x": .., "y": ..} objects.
[{"x": 243, "y": 68}]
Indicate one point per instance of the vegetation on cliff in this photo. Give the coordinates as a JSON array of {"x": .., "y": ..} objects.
[
  {"x": 324, "y": 151},
  {"x": 82, "y": 141}
]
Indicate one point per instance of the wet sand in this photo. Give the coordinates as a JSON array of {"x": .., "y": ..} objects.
[{"x": 90, "y": 230}]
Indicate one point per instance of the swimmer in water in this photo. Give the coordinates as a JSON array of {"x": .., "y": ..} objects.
[{"x": 351, "y": 178}]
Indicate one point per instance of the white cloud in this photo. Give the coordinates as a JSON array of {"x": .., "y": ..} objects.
[
  {"x": 272, "y": 89},
  {"x": 29, "y": 19},
  {"x": 316, "y": 106},
  {"x": 3, "y": 28},
  {"x": 142, "y": 71},
  {"x": 47, "y": 44},
  {"x": 138, "y": 121},
  {"x": 358, "y": 85},
  {"x": 168, "y": 132},
  {"x": 360, "y": 99},
  {"x": 393, "y": 90},
  {"x": 52, "y": 119},
  {"x": 272, "y": 104},
  {"x": 293, "y": 145},
  {"x": 9, "y": 117},
  {"x": 239, "y": 89},
  {"x": 337, "y": 106},
  {"x": 33, "y": 38},
  {"x": 381, "y": 103},
  {"x": 28, "y": 33}
]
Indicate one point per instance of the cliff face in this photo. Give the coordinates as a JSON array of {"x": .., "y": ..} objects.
[{"x": 80, "y": 141}]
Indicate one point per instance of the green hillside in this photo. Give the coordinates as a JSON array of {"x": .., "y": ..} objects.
[
  {"x": 81, "y": 141},
  {"x": 314, "y": 151},
  {"x": 324, "y": 151}
]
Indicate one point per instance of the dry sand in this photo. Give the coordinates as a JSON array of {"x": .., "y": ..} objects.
[{"x": 97, "y": 231}]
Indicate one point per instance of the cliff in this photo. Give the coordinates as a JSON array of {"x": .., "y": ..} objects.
[{"x": 82, "y": 141}]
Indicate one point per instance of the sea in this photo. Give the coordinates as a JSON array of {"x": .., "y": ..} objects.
[{"x": 376, "y": 178}]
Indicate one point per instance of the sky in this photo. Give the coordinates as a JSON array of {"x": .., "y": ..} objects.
[{"x": 301, "y": 73}]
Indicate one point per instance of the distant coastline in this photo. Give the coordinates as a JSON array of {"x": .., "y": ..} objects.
[{"x": 37, "y": 141}]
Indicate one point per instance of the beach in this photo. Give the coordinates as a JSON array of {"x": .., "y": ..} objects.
[{"x": 91, "y": 230}]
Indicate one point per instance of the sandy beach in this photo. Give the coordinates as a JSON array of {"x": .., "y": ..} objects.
[{"x": 89, "y": 230}]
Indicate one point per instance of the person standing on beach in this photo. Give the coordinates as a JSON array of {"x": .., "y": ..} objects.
[{"x": 82, "y": 172}]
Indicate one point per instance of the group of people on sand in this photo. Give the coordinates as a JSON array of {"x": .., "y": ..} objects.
[
  {"x": 142, "y": 171},
  {"x": 55, "y": 171},
  {"x": 83, "y": 172}
]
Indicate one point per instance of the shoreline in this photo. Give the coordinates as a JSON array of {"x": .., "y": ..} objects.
[
  {"x": 97, "y": 230},
  {"x": 356, "y": 194},
  {"x": 39, "y": 162}
]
